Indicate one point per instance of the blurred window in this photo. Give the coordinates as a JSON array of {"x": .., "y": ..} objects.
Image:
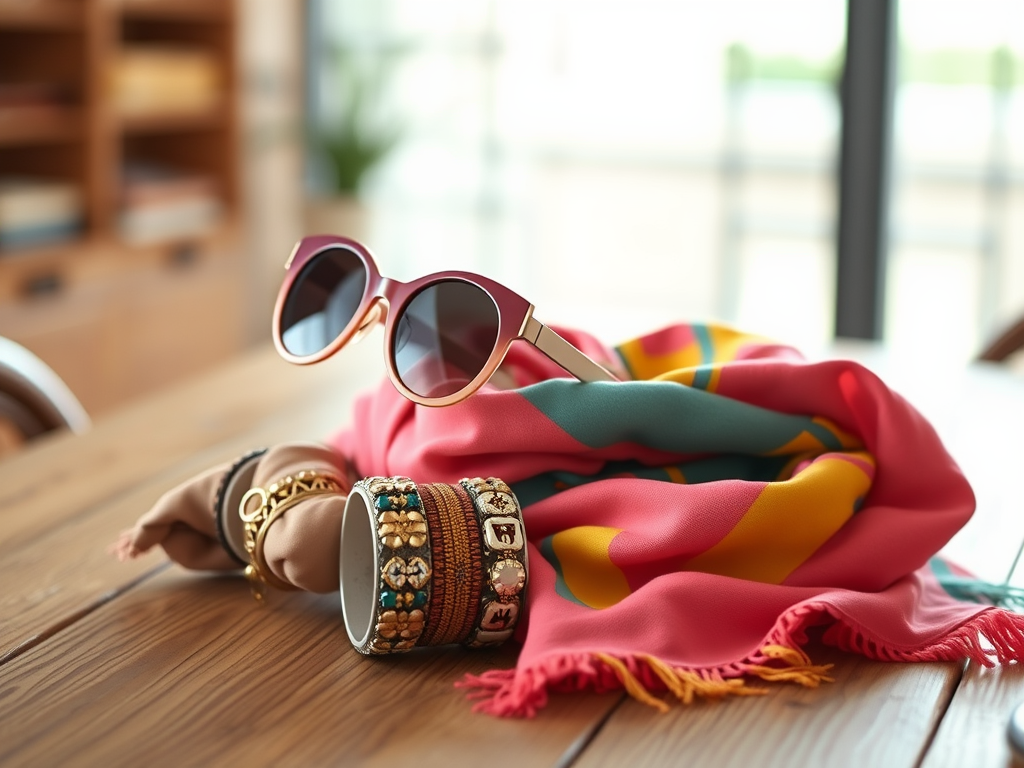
[
  {"x": 956, "y": 262},
  {"x": 630, "y": 163}
]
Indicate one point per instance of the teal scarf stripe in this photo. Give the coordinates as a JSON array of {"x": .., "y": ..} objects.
[
  {"x": 975, "y": 590},
  {"x": 826, "y": 436},
  {"x": 703, "y": 337},
  {"x": 667, "y": 416},
  {"x": 727, "y": 467},
  {"x": 702, "y": 376}
]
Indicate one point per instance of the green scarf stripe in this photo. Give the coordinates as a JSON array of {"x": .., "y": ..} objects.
[
  {"x": 662, "y": 415},
  {"x": 538, "y": 487},
  {"x": 748, "y": 468},
  {"x": 976, "y": 590},
  {"x": 756, "y": 469},
  {"x": 825, "y": 436}
]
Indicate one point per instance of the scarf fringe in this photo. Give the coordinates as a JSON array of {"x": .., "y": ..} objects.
[
  {"x": 522, "y": 693},
  {"x": 797, "y": 668},
  {"x": 993, "y": 636},
  {"x": 990, "y": 637}
]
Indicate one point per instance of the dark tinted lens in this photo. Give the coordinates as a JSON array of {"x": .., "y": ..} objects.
[
  {"x": 444, "y": 338},
  {"x": 322, "y": 301}
]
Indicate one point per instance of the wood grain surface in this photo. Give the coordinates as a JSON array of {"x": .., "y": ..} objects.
[
  {"x": 973, "y": 731},
  {"x": 874, "y": 714},
  {"x": 72, "y": 502},
  {"x": 107, "y": 663},
  {"x": 190, "y": 666}
]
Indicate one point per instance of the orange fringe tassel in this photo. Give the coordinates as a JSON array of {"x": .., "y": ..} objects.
[
  {"x": 687, "y": 685},
  {"x": 798, "y": 669},
  {"x": 633, "y": 686}
]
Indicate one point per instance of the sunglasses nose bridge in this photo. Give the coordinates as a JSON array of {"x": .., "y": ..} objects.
[
  {"x": 384, "y": 294},
  {"x": 386, "y": 289}
]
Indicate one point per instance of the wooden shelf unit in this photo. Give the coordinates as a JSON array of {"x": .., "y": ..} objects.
[
  {"x": 150, "y": 284},
  {"x": 54, "y": 14}
]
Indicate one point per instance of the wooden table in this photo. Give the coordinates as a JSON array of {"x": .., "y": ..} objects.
[{"x": 144, "y": 663}]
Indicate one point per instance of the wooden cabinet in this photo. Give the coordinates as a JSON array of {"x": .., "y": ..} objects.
[{"x": 120, "y": 257}]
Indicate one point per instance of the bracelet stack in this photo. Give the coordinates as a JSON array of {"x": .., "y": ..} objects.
[
  {"x": 431, "y": 564},
  {"x": 274, "y": 500}
]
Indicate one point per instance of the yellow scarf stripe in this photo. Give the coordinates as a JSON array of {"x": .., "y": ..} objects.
[
  {"x": 788, "y": 521},
  {"x": 807, "y": 441},
  {"x": 585, "y": 566},
  {"x": 703, "y": 377},
  {"x": 710, "y": 344}
]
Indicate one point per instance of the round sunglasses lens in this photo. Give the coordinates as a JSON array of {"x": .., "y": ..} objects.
[
  {"x": 444, "y": 338},
  {"x": 322, "y": 301}
]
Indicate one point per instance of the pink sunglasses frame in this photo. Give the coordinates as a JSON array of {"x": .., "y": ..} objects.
[{"x": 515, "y": 319}]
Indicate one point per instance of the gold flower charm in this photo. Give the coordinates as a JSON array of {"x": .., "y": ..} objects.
[
  {"x": 405, "y": 624},
  {"x": 397, "y": 572},
  {"x": 402, "y": 528},
  {"x": 392, "y": 485}
]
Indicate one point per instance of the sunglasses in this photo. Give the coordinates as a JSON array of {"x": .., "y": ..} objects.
[{"x": 444, "y": 334}]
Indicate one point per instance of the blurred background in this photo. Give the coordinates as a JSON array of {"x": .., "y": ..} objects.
[{"x": 623, "y": 164}]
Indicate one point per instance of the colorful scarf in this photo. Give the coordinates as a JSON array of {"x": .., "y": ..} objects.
[{"x": 689, "y": 525}]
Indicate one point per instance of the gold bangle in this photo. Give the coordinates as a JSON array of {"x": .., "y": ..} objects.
[{"x": 276, "y": 499}]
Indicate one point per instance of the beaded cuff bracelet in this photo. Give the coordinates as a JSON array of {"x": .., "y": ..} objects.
[
  {"x": 430, "y": 564},
  {"x": 385, "y": 565}
]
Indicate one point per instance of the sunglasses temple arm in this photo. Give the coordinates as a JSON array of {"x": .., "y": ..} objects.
[{"x": 563, "y": 353}]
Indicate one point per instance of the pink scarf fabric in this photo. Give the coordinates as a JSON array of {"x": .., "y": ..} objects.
[{"x": 688, "y": 526}]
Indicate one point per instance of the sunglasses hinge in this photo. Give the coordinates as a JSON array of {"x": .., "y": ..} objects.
[
  {"x": 531, "y": 327},
  {"x": 291, "y": 256}
]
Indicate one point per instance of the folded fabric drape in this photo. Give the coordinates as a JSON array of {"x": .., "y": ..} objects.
[{"x": 688, "y": 525}]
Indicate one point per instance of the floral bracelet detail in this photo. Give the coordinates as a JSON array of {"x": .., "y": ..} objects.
[
  {"x": 274, "y": 500},
  {"x": 386, "y": 565}
]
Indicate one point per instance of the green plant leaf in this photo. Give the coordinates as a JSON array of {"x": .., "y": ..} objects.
[{"x": 354, "y": 144}]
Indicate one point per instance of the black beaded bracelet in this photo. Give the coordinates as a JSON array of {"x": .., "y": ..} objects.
[{"x": 225, "y": 517}]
